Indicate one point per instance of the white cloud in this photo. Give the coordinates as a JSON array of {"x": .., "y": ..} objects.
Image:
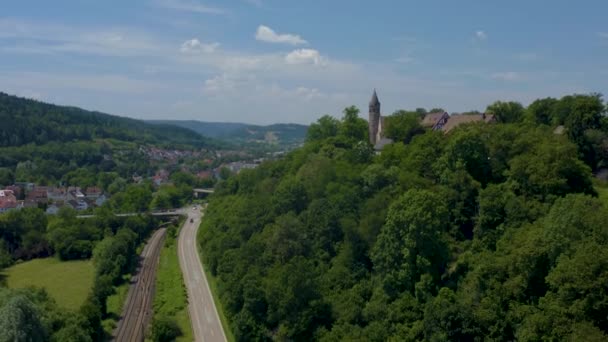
[
  {"x": 266, "y": 34},
  {"x": 305, "y": 56},
  {"x": 481, "y": 35},
  {"x": 195, "y": 45},
  {"x": 189, "y": 6},
  {"x": 510, "y": 76}
]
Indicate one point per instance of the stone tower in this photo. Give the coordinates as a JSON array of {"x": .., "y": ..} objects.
[{"x": 374, "y": 118}]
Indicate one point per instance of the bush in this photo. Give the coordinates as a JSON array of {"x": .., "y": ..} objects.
[{"x": 164, "y": 329}]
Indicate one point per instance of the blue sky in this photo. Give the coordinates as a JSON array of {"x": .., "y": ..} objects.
[{"x": 266, "y": 61}]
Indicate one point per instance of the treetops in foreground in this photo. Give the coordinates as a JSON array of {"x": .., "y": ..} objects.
[{"x": 489, "y": 232}]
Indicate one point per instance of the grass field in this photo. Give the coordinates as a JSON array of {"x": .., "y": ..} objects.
[
  {"x": 114, "y": 303},
  {"x": 170, "y": 298},
  {"x": 68, "y": 282},
  {"x": 602, "y": 191}
]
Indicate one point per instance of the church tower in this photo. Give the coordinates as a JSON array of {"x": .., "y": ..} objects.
[{"x": 374, "y": 118}]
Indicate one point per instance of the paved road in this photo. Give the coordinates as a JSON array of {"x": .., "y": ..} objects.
[
  {"x": 138, "y": 307},
  {"x": 205, "y": 320}
]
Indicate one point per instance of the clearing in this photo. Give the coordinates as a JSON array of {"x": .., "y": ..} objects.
[{"x": 68, "y": 282}]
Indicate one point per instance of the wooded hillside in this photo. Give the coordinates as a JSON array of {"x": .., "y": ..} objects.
[
  {"x": 28, "y": 121},
  {"x": 490, "y": 232}
]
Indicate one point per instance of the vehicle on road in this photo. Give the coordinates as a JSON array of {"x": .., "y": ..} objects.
[{"x": 191, "y": 220}]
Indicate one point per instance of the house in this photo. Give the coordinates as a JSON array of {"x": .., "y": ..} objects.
[
  {"x": 157, "y": 180},
  {"x": 204, "y": 174},
  {"x": 161, "y": 177},
  {"x": 56, "y": 194},
  {"x": 38, "y": 194},
  {"x": 78, "y": 205},
  {"x": 93, "y": 192},
  {"x": 15, "y": 189},
  {"x": 27, "y": 204},
  {"x": 8, "y": 201},
  {"x": 6, "y": 206},
  {"x": 435, "y": 121},
  {"x": 457, "y": 120},
  {"x": 75, "y": 194}
]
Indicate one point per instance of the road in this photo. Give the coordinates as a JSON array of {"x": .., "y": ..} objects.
[
  {"x": 138, "y": 307},
  {"x": 205, "y": 320}
]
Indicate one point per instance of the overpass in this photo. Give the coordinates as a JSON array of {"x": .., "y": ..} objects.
[
  {"x": 200, "y": 193},
  {"x": 170, "y": 212}
]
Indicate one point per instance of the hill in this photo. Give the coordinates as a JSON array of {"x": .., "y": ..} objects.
[
  {"x": 46, "y": 144},
  {"x": 284, "y": 135},
  {"x": 489, "y": 232},
  {"x": 40, "y": 123}
]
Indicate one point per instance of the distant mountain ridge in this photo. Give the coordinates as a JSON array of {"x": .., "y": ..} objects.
[
  {"x": 30, "y": 121},
  {"x": 278, "y": 134}
]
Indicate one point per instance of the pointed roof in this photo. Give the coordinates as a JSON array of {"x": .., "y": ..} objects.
[{"x": 374, "y": 100}]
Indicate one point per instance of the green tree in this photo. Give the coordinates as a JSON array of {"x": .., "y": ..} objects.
[
  {"x": 325, "y": 127},
  {"x": 411, "y": 242},
  {"x": 506, "y": 112},
  {"x": 403, "y": 126},
  {"x": 352, "y": 126},
  {"x": 542, "y": 111},
  {"x": 447, "y": 320},
  {"x": 164, "y": 329},
  {"x": 551, "y": 168},
  {"x": 6, "y": 176},
  {"x": 20, "y": 321}
]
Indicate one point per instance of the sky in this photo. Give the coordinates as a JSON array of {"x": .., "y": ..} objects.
[{"x": 268, "y": 61}]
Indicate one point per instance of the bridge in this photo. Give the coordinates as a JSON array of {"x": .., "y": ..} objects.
[
  {"x": 171, "y": 212},
  {"x": 199, "y": 193}
]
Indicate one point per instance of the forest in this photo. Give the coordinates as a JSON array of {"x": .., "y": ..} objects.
[
  {"x": 111, "y": 242},
  {"x": 490, "y": 232},
  {"x": 34, "y": 122},
  {"x": 48, "y": 144}
]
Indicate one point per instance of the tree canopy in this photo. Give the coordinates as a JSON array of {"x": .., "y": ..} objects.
[{"x": 487, "y": 232}]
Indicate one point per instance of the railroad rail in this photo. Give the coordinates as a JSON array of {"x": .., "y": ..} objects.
[{"x": 138, "y": 307}]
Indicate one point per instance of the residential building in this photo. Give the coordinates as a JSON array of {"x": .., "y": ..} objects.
[
  {"x": 93, "y": 192},
  {"x": 8, "y": 201},
  {"x": 457, "y": 120},
  {"x": 38, "y": 194},
  {"x": 435, "y": 121}
]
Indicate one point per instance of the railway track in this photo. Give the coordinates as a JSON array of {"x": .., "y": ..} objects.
[{"x": 138, "y": 307}]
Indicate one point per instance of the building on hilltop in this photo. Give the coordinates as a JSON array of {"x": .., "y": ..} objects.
[
  {"x": 376, "y": 124},
  {"x": 439, "y": 121},
  {"x": 435, "y": 121},
  {"x": 456, "y": 120}
]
